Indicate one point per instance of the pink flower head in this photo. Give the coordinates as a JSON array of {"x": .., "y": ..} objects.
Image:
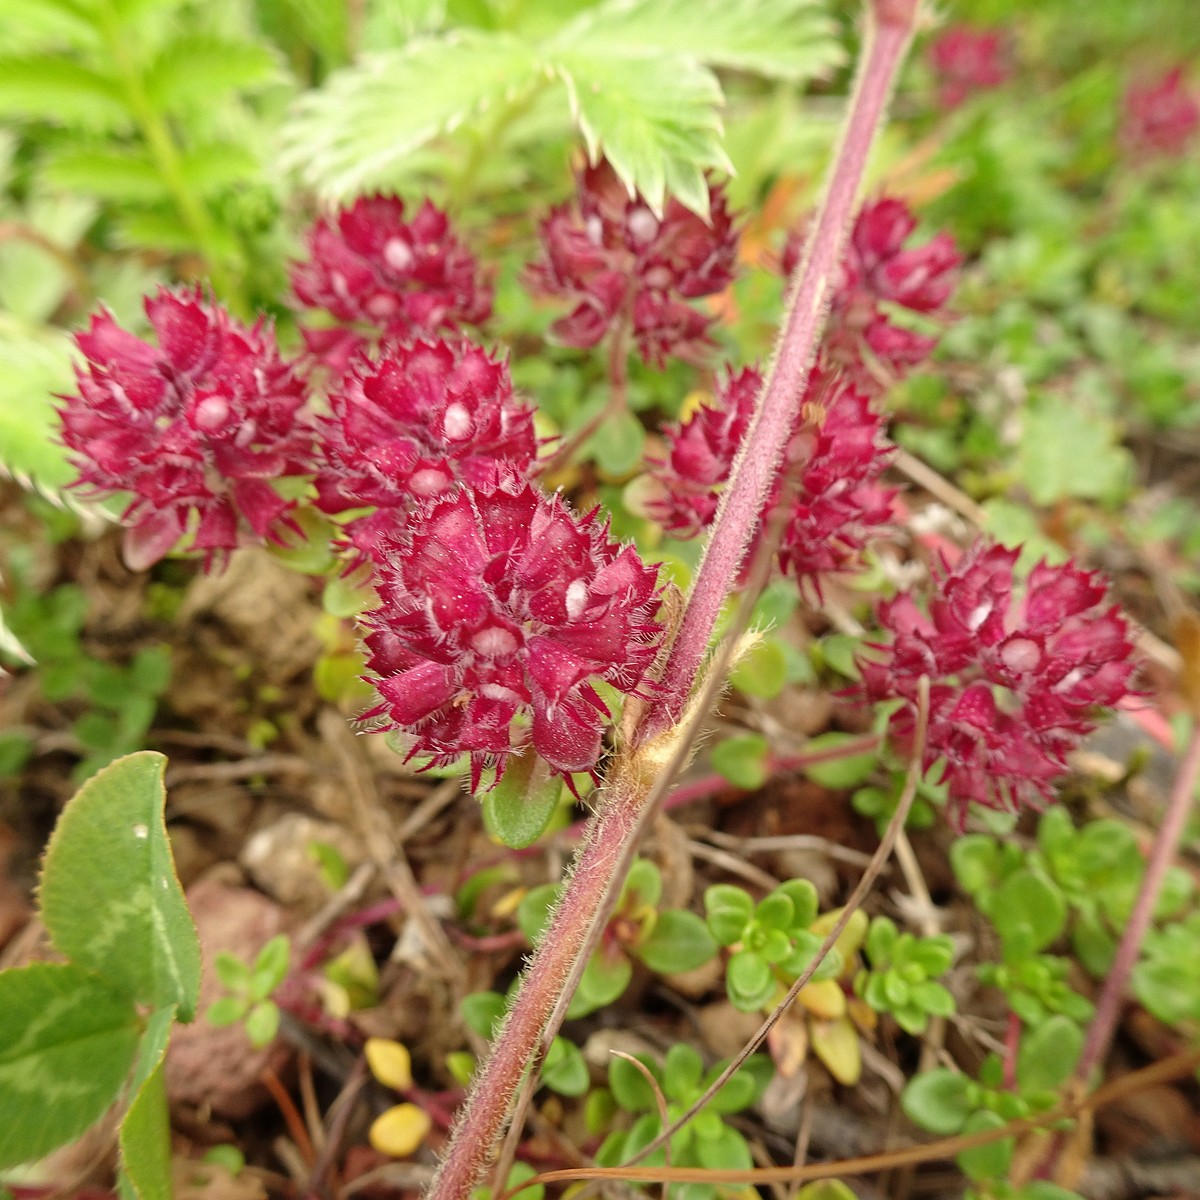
[
  {"x": 878, "y": 270},
  {"x": 921, "y": 278},
  {"x": 410, "y": 423},
  {"x": 199, "y": 423},
  {"x": 1160, "y": 117},
  {"x": 967, "y": 60},
  {"x": 838, "y": 448},
  {"x": 1016, "y": 674},
  {"x": 381, "y": 276},
  {"x": 839, "y": 505},
  {"x": 701, "y": 451},
  {"x": 498, "y": 606},
  {"x": 617, "y": 263}
]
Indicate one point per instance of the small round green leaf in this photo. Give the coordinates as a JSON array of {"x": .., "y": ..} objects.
[
  {"x": 937, "y": 1101},
  {"x": 749, "y": 980},
  {"x": 728, "y": 909},
  {"x": 520, "y": 807},
  {"x": 1028, "y": 911},
  {"x": 565, "y": 1071},
  {"x": 680, "y": 941},
  {"x": 1048, "y": 1054},
  {"x": 990, "y": 1161},
  {"x": 839, "y": 773},
  {"x": 743, "y": 761},
  {"x": 629, "y": 1086}
]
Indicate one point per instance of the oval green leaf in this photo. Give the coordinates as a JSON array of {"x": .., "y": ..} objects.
[{"x": 110, "y": 897}]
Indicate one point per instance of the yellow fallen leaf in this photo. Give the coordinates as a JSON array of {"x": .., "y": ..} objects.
[
  {"x": 390, "y": 1063},
  {"x": 835, "y": 1043},
  {"x": 400, "y": 1130},
  {"x": 852, "y": 938},
  {"x": 824, "y": 999}
]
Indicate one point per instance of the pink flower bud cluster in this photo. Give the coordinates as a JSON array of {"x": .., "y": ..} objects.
[
  {"x": 194, "y": 428},
  {"x": 965, "y": 61},
  {"x": 878, "y": 273},
  {"x": 1017, "y": 674},
  {"x": 1161, "y": 117},
  {"x": 499, "y": 609},
  {"x": 838, "y": 452},
  {"x": 409, "y": 424},
  {"x": 623, "y": 267},
  {"x": 382, "y": 277},
  {"x": 839, "y": 448}
]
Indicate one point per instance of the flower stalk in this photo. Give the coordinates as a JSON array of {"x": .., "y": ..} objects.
[
  {"x": 634, "y": 779},
  {"x": 890, "y": 27}
]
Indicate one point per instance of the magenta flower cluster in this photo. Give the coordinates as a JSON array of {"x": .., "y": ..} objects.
[
  {"x": 1161, "y": 116},
  {"x": 499, "y": 609},
  {"x": 195, "y": 429},
  {"x": 1018, "y": 673},
  {"x": 378, "y": 276},
  {"x": 411, "y": 423},
  {"x": 838, "y": 450},
  {"x": 625, "y": 269},
  {"x": 966, "y": 60},
  {"x": 498, "y": 604}
]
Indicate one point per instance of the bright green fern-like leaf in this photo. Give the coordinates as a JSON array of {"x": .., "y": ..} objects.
[
  {"x": 638, "y": 76},
  {"x": 32, "y": 368},
  {"x": 777, "y": 39},
  {"x": 62, "y": 92},
  {"x": 193, "y": 67},
  {"x": 355, "y": 133},
  {"x": 655, "y": 120}
]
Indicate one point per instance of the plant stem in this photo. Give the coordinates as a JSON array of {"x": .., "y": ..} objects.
[
  {"x": 600, "y": 867},
  {"x": 1104, "y": 1023},
  {"x": 642, "y": 770},
  {"x": 167, "y": 156},
  {"x": 889, "y": 30}
]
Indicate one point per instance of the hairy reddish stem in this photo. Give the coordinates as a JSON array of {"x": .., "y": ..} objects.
[
  {"x": 601, "y": 864},
  {"x": 604, "y": 858},
  {"x": 759, "y": 458},
  {"x": 1108, "y": 1008}
]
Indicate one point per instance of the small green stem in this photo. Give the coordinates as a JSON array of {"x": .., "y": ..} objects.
[{"x": 167, "y": 157}]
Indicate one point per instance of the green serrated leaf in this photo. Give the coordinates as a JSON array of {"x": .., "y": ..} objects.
[
  {"x": 110, "y": 897},
  {"x": 194, "y": 68},
  {"x": 67, "y": 1042},
  {"x": 1066, "y": 451},
  {"x": 61, "y": 91},
  {"x": 213, "y": 168},
  {"x": 355, "y": 132},
  {"x": 123, "y": 176},
  {"x": 653, "y": 116},
  {"x": 33, "y": 366},
  {"x": 780, "y": 39}
]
